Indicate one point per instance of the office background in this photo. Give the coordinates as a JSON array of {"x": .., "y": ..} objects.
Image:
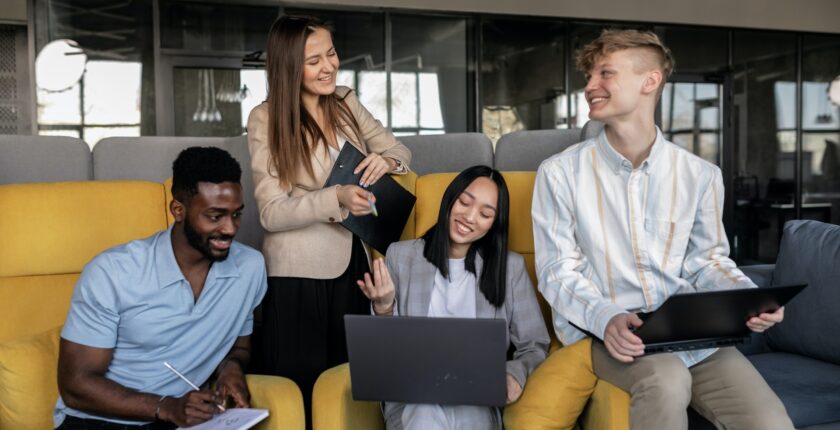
[{"x": 750, "y": 91}]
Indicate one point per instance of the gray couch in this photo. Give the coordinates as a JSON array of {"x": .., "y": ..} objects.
[{"x": 800, "y": 358}]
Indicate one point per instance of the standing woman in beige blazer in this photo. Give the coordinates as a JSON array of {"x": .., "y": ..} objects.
[{"x": 313, "y": 262}]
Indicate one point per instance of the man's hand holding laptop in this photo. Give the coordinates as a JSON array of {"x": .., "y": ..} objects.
[
  {"x": 619, "y": 339},
  {"x": 766, "y": 320},
  {"x": 624, "y": 345}
]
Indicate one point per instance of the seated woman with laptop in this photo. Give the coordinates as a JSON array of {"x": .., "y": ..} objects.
[{"x": 461, "y": 268}]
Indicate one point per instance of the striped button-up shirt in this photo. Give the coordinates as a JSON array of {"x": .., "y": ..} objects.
[{"x": 611, "y": 239}]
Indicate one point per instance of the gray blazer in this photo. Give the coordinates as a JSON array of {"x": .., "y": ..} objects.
[{"x": 414, "y": 278}]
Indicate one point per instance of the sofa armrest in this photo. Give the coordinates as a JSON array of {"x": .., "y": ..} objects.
[
  {"x": 761, "y": 274},
  {"x": 281, "y": 397},
  {"x": 333, "y": 407}
]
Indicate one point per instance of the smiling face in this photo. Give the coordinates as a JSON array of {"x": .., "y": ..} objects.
[
  {"x": 320, "y": 64},
  {"x": 618, "y": 84},
  {"x": 212, "y": 218},
  {"x": 472, "y": 215}
]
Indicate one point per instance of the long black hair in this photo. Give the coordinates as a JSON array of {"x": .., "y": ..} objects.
[{"x": 492, "y": 247}]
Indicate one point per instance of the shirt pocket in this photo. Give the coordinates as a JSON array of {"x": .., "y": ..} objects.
[{"x": 667, "y": 237}]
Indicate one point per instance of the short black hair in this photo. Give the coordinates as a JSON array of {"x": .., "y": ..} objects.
[
  {"x": 492, "y": 247},
  {"x": 202, "y": 164}
]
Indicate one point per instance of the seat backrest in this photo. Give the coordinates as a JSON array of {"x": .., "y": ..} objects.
[
  {"x": 250, "y": 231},
  {"x": 525, "y": 150},
  {"x": 808, "y": 254},
  {"x": 452, "y": 152},
  {"x": 150, "y": 158},
  {"x": 52, "y": 230},
  {"x": 27, "y": 159},
  {"x": 591, "y": 129},
  {"x": 147, "y": 158}
]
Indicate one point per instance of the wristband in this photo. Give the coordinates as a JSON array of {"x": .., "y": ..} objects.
[{"x": 157, "y": 408}]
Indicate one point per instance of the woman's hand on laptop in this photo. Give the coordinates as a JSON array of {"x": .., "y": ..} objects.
[
  {"x": 766, "y": 320},
  {"x": 379, "y": 288},
  {"x": 619, "y": 339},
  {"x": 514, "y": 390}
]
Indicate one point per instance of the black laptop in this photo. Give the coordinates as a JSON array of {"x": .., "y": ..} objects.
[
  {"x": 709, "y": 319},
  {"x": 448, "y": 361}
]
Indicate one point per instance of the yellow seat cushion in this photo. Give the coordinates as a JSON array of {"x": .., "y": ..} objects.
[
  {"x": 28, "y": 388},
  {"x": 33, "y": 304},
  {"x": 556, "y": 392},
  {"x": 56, "y": 228},
  {"x": 333, "y": 407},
  {"x": 429, "y": 192},
  {"x": 521, "y": 235},
  {"x": 281, "y": 397},
  {"x": 520, "y": 230},
  {"x": 167, "y": 191}
]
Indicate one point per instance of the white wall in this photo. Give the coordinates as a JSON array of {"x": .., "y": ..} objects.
[
  {"x": 13, "y": 11},
  {"x": 799, "y": 15}
]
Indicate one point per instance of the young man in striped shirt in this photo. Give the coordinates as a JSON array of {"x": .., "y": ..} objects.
[{"x": 623, "y": 221}]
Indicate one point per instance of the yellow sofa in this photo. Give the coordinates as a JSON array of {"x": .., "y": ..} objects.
[
  {"x": 333, "y": 407},
  {"x": 50, "y": 231}
]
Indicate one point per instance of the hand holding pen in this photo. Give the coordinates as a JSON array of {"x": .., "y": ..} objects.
[
  {"x": 190, "y": 409},
  {"x": 356, "y": 199}
]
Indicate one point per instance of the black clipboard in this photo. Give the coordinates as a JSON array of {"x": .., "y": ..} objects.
[{"x": 393, "y": 202}]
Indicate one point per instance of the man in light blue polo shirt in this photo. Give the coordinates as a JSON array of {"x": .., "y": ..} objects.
[{"x": 185, "y": 295}]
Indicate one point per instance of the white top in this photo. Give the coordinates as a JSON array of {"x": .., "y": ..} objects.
[
  {"x": 609, "y": 238},
  {"x": 454, "y": 297},
  {"x": 340, "y": 140}
]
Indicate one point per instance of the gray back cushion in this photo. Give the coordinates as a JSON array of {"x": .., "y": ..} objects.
[
  {"x": 250, "y": 231},
  {"x": 525, "y": 150},
  {"x": 809, "y": 253},
  {"x": 591, "y": 129},
  {"x": 43, "y": 159},
  {"x": 452, "y": 152},
  {"x": 150, "y": 158}
]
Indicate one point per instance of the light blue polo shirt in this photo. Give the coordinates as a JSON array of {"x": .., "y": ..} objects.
[{"x": 134, "y": 299}]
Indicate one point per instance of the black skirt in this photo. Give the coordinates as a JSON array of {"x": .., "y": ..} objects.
[{"x": 302, "y": 332}]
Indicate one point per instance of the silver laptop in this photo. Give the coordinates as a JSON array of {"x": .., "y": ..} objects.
[{"x": 448, "y": 361}]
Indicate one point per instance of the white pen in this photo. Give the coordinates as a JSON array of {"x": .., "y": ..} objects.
[{"x": 194, "y": 387}]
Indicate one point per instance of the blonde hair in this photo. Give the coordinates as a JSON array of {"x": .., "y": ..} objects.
[{"x": 612, "y": 40}]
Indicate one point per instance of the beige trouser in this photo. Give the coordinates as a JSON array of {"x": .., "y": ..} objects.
[{"x": 725, "y": 388}]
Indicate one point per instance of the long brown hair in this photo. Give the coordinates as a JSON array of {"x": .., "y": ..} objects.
[{"x": 292, "y": 133}]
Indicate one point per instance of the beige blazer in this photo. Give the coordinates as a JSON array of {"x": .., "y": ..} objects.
[{"x": 303, "y": 236}]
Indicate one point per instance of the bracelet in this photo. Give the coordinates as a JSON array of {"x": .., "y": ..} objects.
[{"x": 157, "y": 408}]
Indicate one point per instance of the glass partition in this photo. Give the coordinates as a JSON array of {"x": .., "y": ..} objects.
[
  {"x": 764, "y": 106},
  {"x": 821, "y": 129},
  {"x": 114, "y": 93},
  {"x": 430, "y": 82},
  {"x": 522, "y": 75}
]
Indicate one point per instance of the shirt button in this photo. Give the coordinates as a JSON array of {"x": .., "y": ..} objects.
[{"x": 332, "y": 219}]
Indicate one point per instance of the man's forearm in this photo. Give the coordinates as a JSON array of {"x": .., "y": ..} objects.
[
  {"x": 98, "y": 395},
  {"x": 238, "y": 355}
]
